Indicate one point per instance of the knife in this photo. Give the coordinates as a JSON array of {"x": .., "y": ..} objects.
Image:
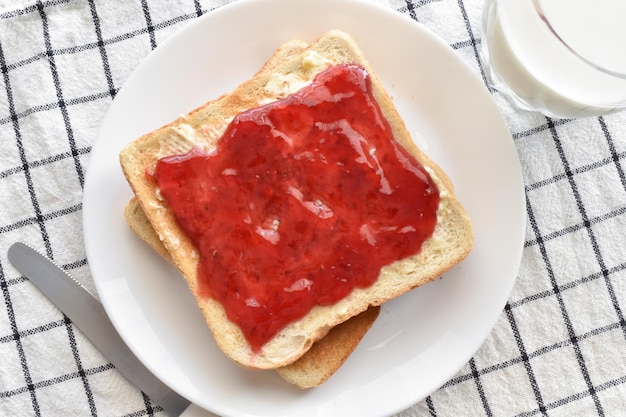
[{"x": 88, "y": 314}]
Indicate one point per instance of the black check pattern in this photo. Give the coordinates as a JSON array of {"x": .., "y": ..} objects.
[{"x": 558, "y": 348}]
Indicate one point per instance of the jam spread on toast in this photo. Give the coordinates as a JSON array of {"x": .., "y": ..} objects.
[{"x": 303, "y": 200}]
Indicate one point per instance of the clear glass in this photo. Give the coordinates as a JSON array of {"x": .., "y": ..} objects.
[{"x": 563, "y": 58}]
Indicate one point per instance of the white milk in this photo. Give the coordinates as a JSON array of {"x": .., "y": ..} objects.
[{"x": 542, "y": 73}]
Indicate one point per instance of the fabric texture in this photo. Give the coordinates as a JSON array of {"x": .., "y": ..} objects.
[{"x": 558, "y": 348}]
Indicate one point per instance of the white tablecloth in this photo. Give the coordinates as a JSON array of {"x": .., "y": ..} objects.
[{"x": 558, "y": 348}]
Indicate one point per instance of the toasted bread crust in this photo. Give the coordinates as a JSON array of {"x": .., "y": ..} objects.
[
  {"x": 327, "y": 355},
  {"x": 451, "y": 241}
]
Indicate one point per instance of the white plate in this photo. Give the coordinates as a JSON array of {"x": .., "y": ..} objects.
[{"x": 420, "y": 339}]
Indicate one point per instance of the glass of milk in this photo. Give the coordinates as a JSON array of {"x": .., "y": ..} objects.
[{"x": 563, "y": 58}]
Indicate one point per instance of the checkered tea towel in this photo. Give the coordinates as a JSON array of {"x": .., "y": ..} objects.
[{"x": 558, "y": 348}]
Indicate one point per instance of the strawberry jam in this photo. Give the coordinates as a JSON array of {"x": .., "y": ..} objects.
[{"x": 303, "y": 200}]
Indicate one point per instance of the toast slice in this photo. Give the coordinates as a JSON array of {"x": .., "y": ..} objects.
[
  {"x": 450, "y": 242},
  {"x": 323, "y": 359}
]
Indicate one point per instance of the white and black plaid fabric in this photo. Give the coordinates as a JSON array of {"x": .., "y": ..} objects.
[{"x": 558, "y": 349}]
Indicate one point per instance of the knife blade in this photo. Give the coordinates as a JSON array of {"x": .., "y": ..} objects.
[{"x": 88, "y": 314}]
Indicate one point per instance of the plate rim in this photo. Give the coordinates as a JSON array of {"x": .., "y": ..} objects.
[{"x": 172, "y": 40}]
